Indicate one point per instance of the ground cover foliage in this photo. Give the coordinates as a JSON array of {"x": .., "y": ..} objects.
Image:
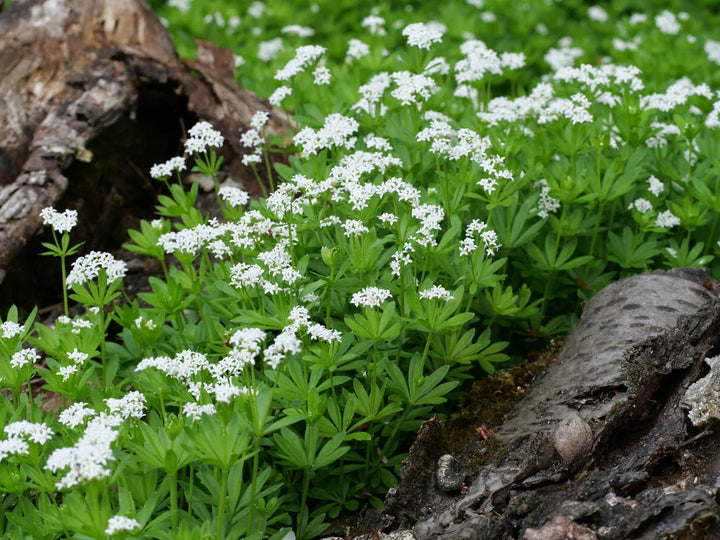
[{"x": 460, "y": 176}]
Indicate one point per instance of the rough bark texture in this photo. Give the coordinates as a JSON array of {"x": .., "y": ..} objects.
[
  {"x": 92, "y": 93},
  {"x": 600, "y": 446}
]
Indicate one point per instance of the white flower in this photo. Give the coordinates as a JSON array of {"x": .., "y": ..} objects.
[
  {"x": 66, "y": 371},
  {"x": 131, "y": 404},
  {"x": 388, "y": 218},
  {"x": 285, "y": 343},
  {"x": 203, "y": 135},
  {"x": 88, "y": 267},
  {"x": 75, "y": 414},
  {"x": 337, "y": 130},
  {"x": 11, "y": 329},
  {"x": 303, "y": 56},
  {"x": 318, "y": 331},
  {"x": 37, "y": 433},
  {"x": 667, "y": 219},
  {"x": 234, "y": 196},
  {"x": 370, "y": 297},
  {"x": 546, "y": 205},
  {"x": 277, "y": 97},
  {"x": 13, "y": 446},
  {"x": 259, "y": 119},
  {"x": 59, "y": 222},
  {"x": 436, "y": 291},
  {"x": 641, "y": 205},
  {"x": 194, "y": 410},
  {"x": 596, "y": 13},
  {"x": 269, "y": 50},
  {"x": 656, "y": 186},
  {"x": 422, "y": 35},
  {"x": 357, "y": 49},
  {"x": 375, "y": 24},
  {"x": 667, "y": 22},
  {"x": 354, "y": 227},
  {"x": 166, "y": 169},
  {"x": 297, "y": 30},
  {"x": 121, "y": 523},
  {"x": 23, "y": 357},
  {"x": 321, "y": 75}
]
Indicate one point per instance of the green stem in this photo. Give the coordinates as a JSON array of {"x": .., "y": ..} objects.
[
  {"x": 221, "y": 510},
  {"x": 173, "y": 500},
  {"x": 425, "y": 351},
  {"x": 64, "y": 287},
  {"x": 190, "y": 491},
  {"x": 597, "y": 227},
  {"x": 106, "y": 383},
  {"x": 253, "y": 488}
]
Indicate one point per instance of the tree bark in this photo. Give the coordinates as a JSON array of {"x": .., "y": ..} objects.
[
  {"x": 94, "y": 89},
  {"x": 615, "y": 438}
]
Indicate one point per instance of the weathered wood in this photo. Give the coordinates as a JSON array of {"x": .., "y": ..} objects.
[
  {"x": 71, "y": 71},
  {"x": 601, "y": 445}
]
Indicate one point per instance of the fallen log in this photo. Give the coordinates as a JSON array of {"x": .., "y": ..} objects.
[
  {"x": 92, "y": 93},
  {"x": 616, "y": 438}
]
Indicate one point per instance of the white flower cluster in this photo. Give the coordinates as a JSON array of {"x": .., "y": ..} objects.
[
  {"x": 422, "y": 35},
  {"x": 297, "y": 30},
  {"x": 19, "y": 433},
  {"x": 667, "y": 219},
  {"x": 321, "y": 76},
  {"x": 563, "y": 56},
  {"x": 233, "y": 196},
  {"x": 337, "y": 130},
  {"x": 88, "y": 267},
  {"x": 75, "y": 414},
  {"x": 253, "y": 138},
  {"x": 88, "y": 458},
  {"x": 370, "y": 297},
  {"x": 304, "y": 56},
  {"x": 372, "y": 92},
  {"x": 641, "y": 205},
  {"x": 59, "y": 222},
  {"x": 280, "y": 93},
  {"x": 269, "y": 50},
  {"x": 356, "y": 50},
  {"x": 675, "y": 95},
  {"x": 546, "y": 204},
  {"x": 23, "y": 357},
  {"x": 667, "y": 22},
  {"x": 11, "y": 329},
  {"x": 375, "y": 25},
  {"x": 436, "y": 292},
  {"x": 120, "y": 523},
  {"x": 166, "y": 169},
  {"x": 203, "y": 135},
  {"x": 413, "y": 88},
  {"x": 488, "y": 237}
]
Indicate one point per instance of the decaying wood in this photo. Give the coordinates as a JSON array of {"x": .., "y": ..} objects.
[
  {"x": 71, "y": 71},
  {"x": 601, "y": 445}
]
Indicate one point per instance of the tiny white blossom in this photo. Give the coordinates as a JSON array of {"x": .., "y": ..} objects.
[
  {"x": 641, "y": 205},
  {"x": 321, "y": 75},
  {"x": 277, "y": 97},
  {"x": 121, "y": 523},
  {"x": 422, "y": 35},
  {"x": 11, "y": 329},
  {"x": 436, "y": 291},
  {"x": 667, "y": 219},
  {"x": 75, "y": 414},
  {"x": 357, "y": 49},
  {"x": 166, "y": 169},
  {"x": 234, "y": 196},
  {"x": 370, "y": 297},
  {"x": 23, "y": 357},
  {"x": 194, "y": 411},
  {"x": 37, "y": 433},
  {"x": 88, "y": 267},
  {"x": 259, "y": 119},
  {"x": 656, "y": 186},
  {"x": 59, "y": 222}
]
